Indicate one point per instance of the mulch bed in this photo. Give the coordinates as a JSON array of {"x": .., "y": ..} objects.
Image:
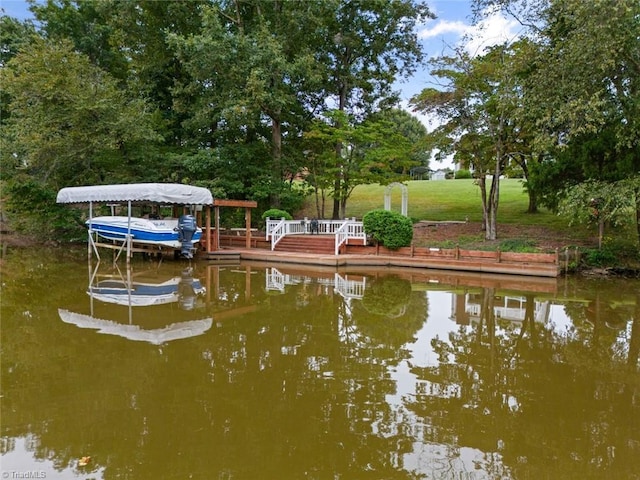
[{"x": 471, "y": 235}]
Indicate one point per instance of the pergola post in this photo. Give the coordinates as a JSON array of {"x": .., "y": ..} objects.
[
  {"x": 208, "y": 227},
  {"x": 247, "y": 226},
  {"x": 216, "y": 235}
]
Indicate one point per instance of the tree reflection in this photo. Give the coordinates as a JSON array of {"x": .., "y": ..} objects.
[
  {"x": 297, "y": 384},
  {"x": 274, "y": 392},
  {"x": 544, "y": 400}
]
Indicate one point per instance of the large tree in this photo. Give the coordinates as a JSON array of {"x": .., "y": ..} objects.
[
  {"x": 366, "y": 46},
  {"x": 477, "y": 106},
  {"x": 129, "y": 39},
  {"x": 372, "y": 151},
  {"x": 254, "y": 71}
]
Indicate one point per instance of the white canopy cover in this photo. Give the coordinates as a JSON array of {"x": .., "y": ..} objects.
[
  {"x": 158, "y": 336},
  {"x": 175, "y": 193}
]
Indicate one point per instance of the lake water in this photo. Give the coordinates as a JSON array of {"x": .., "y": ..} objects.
[{"x": 295, "y": 372}]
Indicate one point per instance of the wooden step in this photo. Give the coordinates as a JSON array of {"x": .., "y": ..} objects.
[{"x": 321, "y": 244}]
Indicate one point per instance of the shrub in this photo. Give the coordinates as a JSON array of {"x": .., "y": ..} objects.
[
  {"x": 32, "y": 210},
  {"x": 518, "y": 245},
  {"x": 603, "y": 257},
  {"x": 462, "y": 174},
  {"x": 388, "y": 228},
  {"x": 276, "y": 213}
]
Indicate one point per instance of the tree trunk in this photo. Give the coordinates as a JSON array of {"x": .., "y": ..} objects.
[
  {"x": 491, "y": 232},
  {"x": 533, "y": 202},
  {"x": 533, "y": 196},
  {"x": 343, "y": 208},
  {"x": 276, "y": 153},
  {"x": 335, "y": 215},
  {"x": 637, "y": 193},
  {"x": 337, "y": 186},
  {"x": 317, "y": 195},
  {"x": 491, "y": 225},
  {"x": 482, "y": 183}
]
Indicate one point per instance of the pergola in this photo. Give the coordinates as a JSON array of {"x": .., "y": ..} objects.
[{"x": 217, "y": 203}]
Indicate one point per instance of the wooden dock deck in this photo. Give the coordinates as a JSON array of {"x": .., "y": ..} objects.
[{"x": 456, "y": 259}]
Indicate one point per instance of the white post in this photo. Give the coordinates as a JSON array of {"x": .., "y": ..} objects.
[{"x": 129, "y": 231}]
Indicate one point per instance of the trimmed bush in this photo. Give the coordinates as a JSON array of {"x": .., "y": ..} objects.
[
  {"x": 276, "y": 213},
  {"x": 462, "y": 173},
  {"x": 388, "y": 228}
]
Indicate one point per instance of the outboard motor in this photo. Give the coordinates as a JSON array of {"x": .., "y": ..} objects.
[
  {"x": 186, "y": 229},
  {"x": 186, "y": 292}
]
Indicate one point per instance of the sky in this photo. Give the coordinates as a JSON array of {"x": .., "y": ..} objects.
[{"x": 452, "y": 27}]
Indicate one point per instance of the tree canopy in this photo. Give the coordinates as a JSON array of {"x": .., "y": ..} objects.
[
  {"x": 213, "y": 92},
  {"x": 249, "y": 97}
]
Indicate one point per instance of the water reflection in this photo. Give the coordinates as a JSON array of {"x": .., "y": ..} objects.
[
  {"x": 315, "y": 373},
  {"x": 122, "y": 304}
]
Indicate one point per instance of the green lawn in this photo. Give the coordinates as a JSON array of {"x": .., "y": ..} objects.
[{"x": 451, "y": 200}]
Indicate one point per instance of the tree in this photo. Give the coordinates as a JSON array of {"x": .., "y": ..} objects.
[
  {"x": 69, "y": 122},
  {"x": 412, "y": 129},
  {"x": 252, "y": 67},
  {"x": 370, "y": 152},
  {"x": 585, "y": 83},
  {"x": 13, "y": 34},
  {"x": 365, "y": 47},
  {"x": 129, "y": 40},
  {"x": 477, "y": 105},
  {"x": 600, "y": 203}
]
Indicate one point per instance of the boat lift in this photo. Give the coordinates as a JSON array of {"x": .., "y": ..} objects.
[{"x": 158, "y": 193}]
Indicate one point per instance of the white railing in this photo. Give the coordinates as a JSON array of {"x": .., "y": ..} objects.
[
  {"x": 343, "y": 230},
  {"x": 349, "y": 288},
  {"x": 346, "y": 287},
  {"x": 350, "y": 229},
  {"x": 276, "y": 231}
]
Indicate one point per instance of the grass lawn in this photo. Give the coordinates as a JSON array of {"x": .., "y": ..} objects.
[
  {"x": 451, "y": 200},
  {"x": 459, "y": 201}
]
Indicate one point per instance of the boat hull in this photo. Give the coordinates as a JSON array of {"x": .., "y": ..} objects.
[
  {"x": 144, "y": 231},
  {"x": 139, "y": 294}
]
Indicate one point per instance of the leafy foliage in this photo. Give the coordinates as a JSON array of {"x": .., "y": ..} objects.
[
  {"x": 70, "y": 125},
  {"x": 276, "y": 213},
  {"x": 462, "y": 173},
  {"x": 387, "y": 297},
  {"x": 374, "y": 151},
  {"x": 51, "y": 221},
  {"x": 388, "y": 228}
]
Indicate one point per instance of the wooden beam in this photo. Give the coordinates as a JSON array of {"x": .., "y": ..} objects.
[
  {"x": 221, "y": 202},
  {"x": 216, "y": 235}
]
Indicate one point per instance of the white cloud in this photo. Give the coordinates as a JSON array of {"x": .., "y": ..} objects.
[
  {"x": 444, "y": 27},
  {"x": 493, "y": 30}
]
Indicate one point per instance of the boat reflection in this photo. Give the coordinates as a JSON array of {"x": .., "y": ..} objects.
[{"x": 140, "y": 307}]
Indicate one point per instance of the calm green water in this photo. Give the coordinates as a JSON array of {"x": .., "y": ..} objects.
[{"x": 276, "y": 372}]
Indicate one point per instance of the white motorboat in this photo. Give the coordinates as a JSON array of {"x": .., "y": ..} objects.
[{"x": 177, "y": 233}]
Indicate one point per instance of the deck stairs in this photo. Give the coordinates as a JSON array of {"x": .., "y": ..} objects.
[{"x": 319, "y": 244}]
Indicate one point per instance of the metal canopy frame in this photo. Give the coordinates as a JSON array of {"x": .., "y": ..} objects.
[{"x": 158, "y": 193}]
